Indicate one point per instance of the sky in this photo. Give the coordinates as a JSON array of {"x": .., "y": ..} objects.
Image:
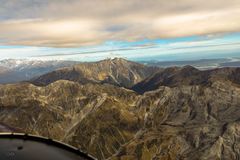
[{"x": 87, "y": 30}]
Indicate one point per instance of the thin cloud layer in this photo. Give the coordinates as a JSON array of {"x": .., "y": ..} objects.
[{"x": 74, "y": 23}]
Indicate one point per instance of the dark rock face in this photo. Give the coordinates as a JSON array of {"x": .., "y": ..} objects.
[
  {"x": 188, "y": 114},
  {"x": 119, "y": 72}
]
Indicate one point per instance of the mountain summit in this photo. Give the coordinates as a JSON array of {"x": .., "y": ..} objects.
[{"x": 117, "y": 71}]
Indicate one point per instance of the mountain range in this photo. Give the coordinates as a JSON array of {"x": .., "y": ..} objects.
[
  {"x": 12, "y": 71},
  {"x": 117, "y": 71},
  {"x": 121, "y": 110},
  {"x": 17, "y": 70},
  {"x": 202, "y": 64}
]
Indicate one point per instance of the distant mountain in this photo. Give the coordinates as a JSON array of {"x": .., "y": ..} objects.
[
  {"x": 188, "y": 75},
  {"x": 119, "y": 72},
  {"x": 202, "y": 64},
  {"x": 230, "y": 64},
  {"x": 3, "y": 70},
  {"x": 12, "y": 70}
]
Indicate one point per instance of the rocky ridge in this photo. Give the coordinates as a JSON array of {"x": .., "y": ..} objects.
[{"x": 117, "y": 71}]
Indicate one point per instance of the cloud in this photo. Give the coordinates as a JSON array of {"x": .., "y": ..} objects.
[
  {"x": 171, "y": 49},
  {"x": 74, "y": 23}
]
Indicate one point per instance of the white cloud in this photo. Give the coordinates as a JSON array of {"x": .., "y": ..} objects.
[{"x": 73, "y": 23}]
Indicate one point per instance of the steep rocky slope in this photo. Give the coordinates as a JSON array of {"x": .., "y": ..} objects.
[
  {"x": 96, "y": 118},
  {"x": 187, "y": 118},
  {"x": 188, "y": 122},
  {"x": 119, "y": 72}
]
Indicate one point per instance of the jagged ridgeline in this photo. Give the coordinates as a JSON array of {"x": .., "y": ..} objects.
[
  {"x": 117, "y": 109},
  {"x": 118, "y": 71}
]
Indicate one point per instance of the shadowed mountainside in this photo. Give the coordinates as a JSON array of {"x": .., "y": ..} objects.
[{"x": 187, "y": 75}]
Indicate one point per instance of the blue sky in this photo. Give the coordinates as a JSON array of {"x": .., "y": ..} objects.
[{"x": 185, "y": 48}]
